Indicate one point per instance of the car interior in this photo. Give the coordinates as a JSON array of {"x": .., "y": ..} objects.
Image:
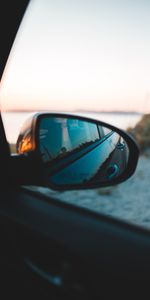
[{"x": 51, "y": 249}]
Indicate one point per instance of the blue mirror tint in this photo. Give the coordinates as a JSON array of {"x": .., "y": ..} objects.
[{"x": 77, "y": 152}]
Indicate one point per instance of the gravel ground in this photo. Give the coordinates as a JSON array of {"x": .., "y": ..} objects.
[{"x": 129, "y": 201}]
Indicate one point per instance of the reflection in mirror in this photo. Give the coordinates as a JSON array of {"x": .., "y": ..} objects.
[{"x": 75, "y": 151}]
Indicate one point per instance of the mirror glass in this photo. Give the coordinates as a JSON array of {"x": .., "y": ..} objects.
[{"x": 75, "y": 151}]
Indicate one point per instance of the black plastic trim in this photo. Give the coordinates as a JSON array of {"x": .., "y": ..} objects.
[{"x": 133, "y": 157}]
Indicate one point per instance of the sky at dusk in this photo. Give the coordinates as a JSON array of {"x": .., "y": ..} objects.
[{"x": 72, "y": 55}]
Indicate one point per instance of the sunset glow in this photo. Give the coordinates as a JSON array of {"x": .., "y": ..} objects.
[{"x": 72, "y": 55}]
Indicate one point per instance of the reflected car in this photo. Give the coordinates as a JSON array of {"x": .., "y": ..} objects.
[{"x": 74, "y": 151}]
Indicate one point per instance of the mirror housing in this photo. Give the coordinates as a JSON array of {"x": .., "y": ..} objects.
[{"x": 73, "y": 152}]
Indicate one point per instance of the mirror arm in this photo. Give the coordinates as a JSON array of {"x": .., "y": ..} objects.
[{"x": 27, "y": 170}]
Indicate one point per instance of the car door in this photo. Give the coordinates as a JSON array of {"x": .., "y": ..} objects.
[{"x": 53, "y": 249}]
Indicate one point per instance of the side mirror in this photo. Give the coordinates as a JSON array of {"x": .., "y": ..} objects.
[{"x": 72, "y": 152}]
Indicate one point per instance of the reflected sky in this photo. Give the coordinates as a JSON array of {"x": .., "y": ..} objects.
[{"x": 57, "y": 136}]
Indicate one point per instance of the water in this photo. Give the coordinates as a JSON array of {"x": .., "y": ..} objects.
[{"x": 14, "y": 121}]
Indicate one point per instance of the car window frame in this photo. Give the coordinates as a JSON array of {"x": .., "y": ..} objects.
[{"x": 8, "y": 33}]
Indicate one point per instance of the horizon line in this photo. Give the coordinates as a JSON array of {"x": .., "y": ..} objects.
[{"x": 76, "y": 110}]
